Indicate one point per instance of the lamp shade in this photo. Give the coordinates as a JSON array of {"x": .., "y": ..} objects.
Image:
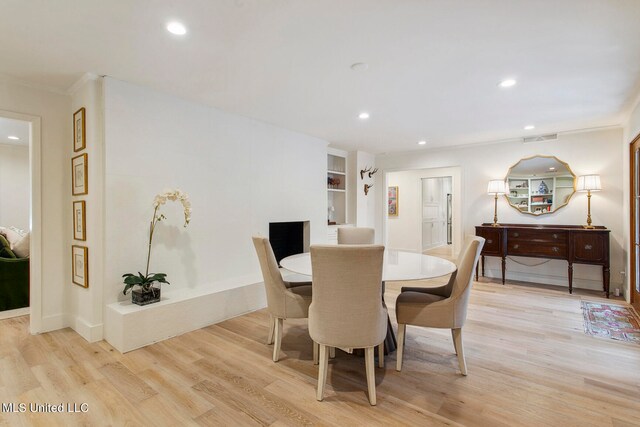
[
  {"x": 496, "y": 187},
  {"x": 589, "y": 183}
]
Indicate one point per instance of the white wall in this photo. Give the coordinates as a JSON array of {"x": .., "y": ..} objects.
[
  {"x": 84, "y": 306},
  {"x": 241, "y": 174},
  {"x": 53, "y": 109},
  {"x": 14, "y": 186},
  {"x": 365, "y": 204},
  {"x": 590, "y": 152},
  {"x": 404, "y": 232}
]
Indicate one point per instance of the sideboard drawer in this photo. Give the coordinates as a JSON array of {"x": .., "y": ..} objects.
[
  {"x": 493, "y": 240},
  {"x": 545, "y": 236},
  {"x": 590, "y": 247},
  {"x": 536, "y": 249}
]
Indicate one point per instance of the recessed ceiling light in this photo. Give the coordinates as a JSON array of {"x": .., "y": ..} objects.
[
  {"x": 507, "y": 83},
  {"x": 423, "y": 142},
  {"x": 529, "y": 127},
  {"x": 360, "y": 66},
  {"x": 363, "y": 116},
  {"x": 15, "y": 138},
  {"x": 552, "y": 168},
  {"x": 176, "y": 28}
]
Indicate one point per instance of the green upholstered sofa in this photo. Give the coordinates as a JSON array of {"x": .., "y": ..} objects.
[{"x": 14, "y": 283}]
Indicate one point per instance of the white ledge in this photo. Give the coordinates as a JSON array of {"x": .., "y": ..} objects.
[{"x": 129, "y": 326}]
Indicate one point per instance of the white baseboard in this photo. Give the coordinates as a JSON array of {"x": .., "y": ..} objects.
[
  {"x": 128, "y": 327},
  {"x": 55, "y": 322},
  {"x": 8, "y": 314},
  {"x": 91, "y": 333}
]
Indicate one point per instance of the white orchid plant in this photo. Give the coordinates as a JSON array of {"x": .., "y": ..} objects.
[{"x": 145, "y": 281}]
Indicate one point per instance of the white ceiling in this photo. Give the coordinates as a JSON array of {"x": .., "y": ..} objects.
[
  {"x": 433, "y": 64},
  {"x": 9, "y": 127}
]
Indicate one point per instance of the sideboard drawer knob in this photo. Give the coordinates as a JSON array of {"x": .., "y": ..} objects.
[
  {"x": 516, "y": 246},
  {"x": 516, "y": 234},
  {"x": 555, "y": 249},
  {"x": 588, "y": 247},
  {"x": 555, "y": 236},
  {"x": 489, "y": 241}
]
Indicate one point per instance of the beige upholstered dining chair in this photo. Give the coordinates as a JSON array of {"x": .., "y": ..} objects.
[
  {"x": 356, "y": 236},
  {"x": 347, "y": 311},
  {"x": 443, "y": 307},
  {"x": 444, "y": 290},
  {"x": 282, "y": 302}
]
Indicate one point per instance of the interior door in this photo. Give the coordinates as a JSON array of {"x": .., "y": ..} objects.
[
  {"x": 635, "y": 223},
  {"x": 434, "y": 211}
]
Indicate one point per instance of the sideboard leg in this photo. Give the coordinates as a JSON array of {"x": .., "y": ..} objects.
[
  {"x": 477, "y": 266},
  {"x": 605, "y": 279},
  {"x": 482, "y": 262},
  {"x": 570, "y": 278},
  {"x": 504, "y": 268}
]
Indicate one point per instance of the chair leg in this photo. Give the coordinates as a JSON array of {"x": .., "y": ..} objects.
[
  {"x": 371, "y": 374},
  {"x": 332, "y": 352},
  {"x": 272, "y": 324},
  {"x": 457, "y": 343},
  {"x": 315, "y": 352},
  {"x": 400, "y": 350},
  {"x": 381, "y": 355},
  {"x": 278, "y": 338},
  {"x": 453, "y": 337},
  {"x": 322, "y": 372}
]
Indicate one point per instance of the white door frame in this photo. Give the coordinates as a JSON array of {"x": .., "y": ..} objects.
[{"x": 35, "y": 221}]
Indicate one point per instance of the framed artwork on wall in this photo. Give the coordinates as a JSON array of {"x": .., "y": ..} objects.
[
  {"x": 79, "y": 172},
  {"x": 79, "y": 131},
  {"x": 392, "y": 209},
  {"x": 79, "y": 220},
  {"x": 80, "y": 265}
]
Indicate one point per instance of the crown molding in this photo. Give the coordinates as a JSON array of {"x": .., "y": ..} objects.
[{"x": 86, "y": 77}]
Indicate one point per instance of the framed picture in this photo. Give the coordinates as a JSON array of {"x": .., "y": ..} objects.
[
  {"x": 392, "y": 209},
  {"x": 79, "y": 132},
  {"x": 80, "y": 265},
  {"x": 79, "y": 220},
  {"x": 79, "y": 175}
]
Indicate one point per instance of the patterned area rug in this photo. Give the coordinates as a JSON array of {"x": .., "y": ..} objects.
[{"x": 611, "y": 321}]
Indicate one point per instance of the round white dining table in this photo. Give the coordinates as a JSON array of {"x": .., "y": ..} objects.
[{"x": 398, "y": 265}]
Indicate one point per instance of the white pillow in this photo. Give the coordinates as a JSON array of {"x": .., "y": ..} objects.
[
  {"x": 14, "y": 235},
  {"x": 21, "y": 247}
]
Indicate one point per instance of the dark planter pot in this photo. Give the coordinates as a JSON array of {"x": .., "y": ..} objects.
[{"x": 140, "y": 297}]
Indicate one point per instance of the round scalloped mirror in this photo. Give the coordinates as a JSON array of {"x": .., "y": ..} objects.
[{"x": 540, "y": 185}]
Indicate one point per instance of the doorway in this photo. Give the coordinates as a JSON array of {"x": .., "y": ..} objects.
[
  {"x": 402, "y": 226},
  {"x": 635, "y": 223},
  {"x": 437, "y": 213},
  {"x": 30, "y": 140},
  {"x": 14, "y": 218}
]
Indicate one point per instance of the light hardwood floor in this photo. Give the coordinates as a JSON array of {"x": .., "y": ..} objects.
[{"x": 529, "y": 363}]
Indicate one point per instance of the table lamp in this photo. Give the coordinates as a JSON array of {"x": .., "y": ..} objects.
[
  {"x": 589, "y": 183},
  {"x": 495, "y": 188}
]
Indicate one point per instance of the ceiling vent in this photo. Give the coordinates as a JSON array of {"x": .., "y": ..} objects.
[{"x": 540, "y": 138}]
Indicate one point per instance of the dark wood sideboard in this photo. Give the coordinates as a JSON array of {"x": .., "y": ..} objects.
[{"x": 572, "y": 243}]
